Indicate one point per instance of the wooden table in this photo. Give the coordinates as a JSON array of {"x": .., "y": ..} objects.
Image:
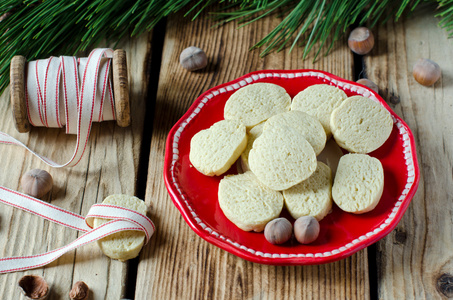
[{"x": 413, "y": 261}]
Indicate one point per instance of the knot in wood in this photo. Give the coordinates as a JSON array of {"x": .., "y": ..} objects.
[
  {"x": 445, "y": 285},
  {"x": 400, "y": 237}
]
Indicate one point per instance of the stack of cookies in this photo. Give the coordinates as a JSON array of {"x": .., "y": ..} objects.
[{"x": 279, "y": 143}]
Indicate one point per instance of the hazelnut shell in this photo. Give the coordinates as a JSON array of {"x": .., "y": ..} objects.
[
  {"x": 79, "y": 291},
  {"x": 306, "y": 229},
  {"x": 426, "y": 72},
  {"x": 278, "y": 231},
  {"x": 369, "y": 83},
  {"x": 36, "y": 183},
  {"x": 34, "y": 287},
  {"x": 361, "y": 40},
  {"x": 193, "y": 58}
]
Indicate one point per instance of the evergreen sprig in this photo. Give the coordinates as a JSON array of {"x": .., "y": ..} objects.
[{"x": 40, "y": 28}]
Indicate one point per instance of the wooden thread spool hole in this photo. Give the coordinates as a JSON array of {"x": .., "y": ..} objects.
[{"x": 120, "y": 91}]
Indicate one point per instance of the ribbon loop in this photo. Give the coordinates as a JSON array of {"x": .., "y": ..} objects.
[
  {"x": 122, "y": 219},
  {"x": 114, "y": 212}
]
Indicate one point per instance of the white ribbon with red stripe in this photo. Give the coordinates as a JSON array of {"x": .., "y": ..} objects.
[
  {"x": 73, "y": 93},
  {"x": 122, "y": 219}
]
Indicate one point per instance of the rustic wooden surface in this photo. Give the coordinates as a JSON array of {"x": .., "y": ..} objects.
[
  {"x": 413, "y": 262},
  {"x": 109, "y": 166},
  {"x": 180, "y": 265},
  {"x": 416, "y": 259}
]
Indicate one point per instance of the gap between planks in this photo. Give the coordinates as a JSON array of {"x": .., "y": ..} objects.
[{"x": 154, "y": 65}]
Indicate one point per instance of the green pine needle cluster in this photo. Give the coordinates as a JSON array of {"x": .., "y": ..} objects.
[{"x": 40, "y": 28}]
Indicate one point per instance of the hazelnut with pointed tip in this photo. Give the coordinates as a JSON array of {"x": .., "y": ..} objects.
[
  {"x": 278, "y": 231},
  {"x": 34, "y": 287},
  {"x": 361, "y": 40},
  {"x": 426, "y": 72},
  {"x": 369, "y": 83},
  {"x": 79, "y": 291},
  {"x": 36, "y": 183},
  {"x": 193, "y": 58},
  {"x": 306, "y": 229}
]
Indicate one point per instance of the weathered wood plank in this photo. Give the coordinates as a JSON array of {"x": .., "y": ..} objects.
[
  {"x": 109, "y": 166},
  {"x": 180, "y": 265},
  {"x": 413, "y": 258}
]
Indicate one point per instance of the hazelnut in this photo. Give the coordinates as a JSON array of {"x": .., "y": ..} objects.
[
  {"x": 278, "y": 231},
  {"x": 36, "y": 183},
  {"x": 361, "y": 40},
  {"x": 369, "y": 83},
  {"x": 426, "y": 71},
  {"x": 34, "y": 287},
  {"x": 193, "y": 58},
  {"x": 306, "y": 229},
  {"x": 79, "y": 291}
]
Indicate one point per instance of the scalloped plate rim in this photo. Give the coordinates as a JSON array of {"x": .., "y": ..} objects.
[{"x": 276, "y": 258}]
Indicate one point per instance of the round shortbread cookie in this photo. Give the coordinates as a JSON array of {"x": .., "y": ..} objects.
[
  {"x": 281, "y": 158},
  {"x": 122, "y": 245},
  {"x": 308, "y": 126},
  {"x": 359, "y": 183},
  {"x": 214, "y": 150},
  {"x": 253, "y": 134},
  {"x": 256, "y": 103},
  {"x": 319, "y": 100},
  {"x": 248, "y": 203},
  {"x": 361, "y": 125},
  {"x": 311, "y": 197}
]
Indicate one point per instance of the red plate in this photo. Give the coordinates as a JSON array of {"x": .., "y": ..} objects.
[{"x": 342, "y": 234}]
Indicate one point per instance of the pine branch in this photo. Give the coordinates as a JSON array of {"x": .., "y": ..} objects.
[
  {"x": 446, "y": 7},
  {"x": 41, "y": 28}
]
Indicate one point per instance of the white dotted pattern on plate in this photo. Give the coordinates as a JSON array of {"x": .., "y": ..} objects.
[{"x": 345, "y": 86}]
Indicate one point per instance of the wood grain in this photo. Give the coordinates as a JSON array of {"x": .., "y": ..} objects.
[
  {"x": 180, "y": 265},
  {"x": 17, "y": 95},
  {"x": 416, "y": 259},
  {"x": 109, "y": 166},
  {"x": 120, "y": 88}
]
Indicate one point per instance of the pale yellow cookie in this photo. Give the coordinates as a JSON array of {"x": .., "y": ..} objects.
[
  {"x": 361, "y": 125},
  {"x": 358, "y": 184},
  {"x": 281, "y": 158},
  {"x": 308, "y": 126},
  {"x": 214, "y": 150},
  {"x": 311, "y": 197},
  {"x": 256, "y": 103},
  {"x": 253, "y": 134},
  {"x": 248, "y": 203},
  {"x": 319, "y": 100},
  {"x": 127, "y": 244}
]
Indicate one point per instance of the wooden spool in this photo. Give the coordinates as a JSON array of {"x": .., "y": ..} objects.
[{"x": 120, "y": 91}]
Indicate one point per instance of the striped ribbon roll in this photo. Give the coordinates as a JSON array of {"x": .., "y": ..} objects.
[
  {"x": 73, "y": 93},
  {"x": 68, "y": 92}
]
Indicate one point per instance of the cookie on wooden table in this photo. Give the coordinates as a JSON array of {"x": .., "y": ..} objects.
[
  {"x": 248, "y": 203},
  {"x": 319, "y": 100},
  {"x": 256, "y": 103},
  {"x": 308, "y": 126},
  {"x": 281, "y": 157},
  {"x": 311, "y": 197},
  {"x": 127, "y": 244},
  {"x": 214, "y": 150},
  {"x": 359, "y": 183},
  {"x": 361, "y": 125}
]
